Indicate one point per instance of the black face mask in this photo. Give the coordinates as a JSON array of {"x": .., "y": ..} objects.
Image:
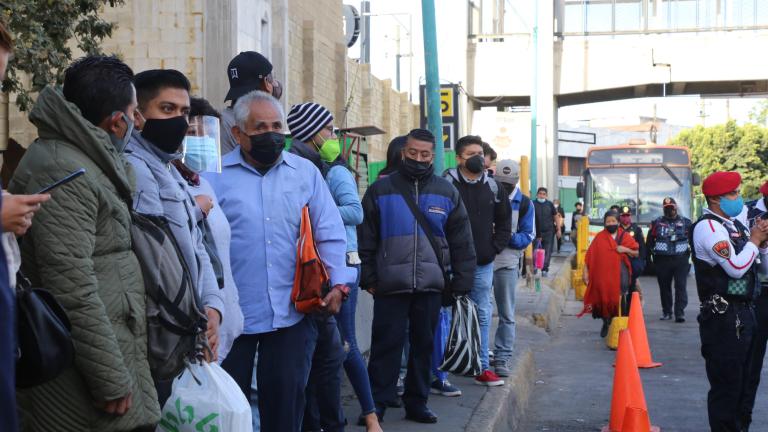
[
  {"x": 166, "y": 134},
  {"x": 612, "y": 228},
  {"x": 475, "y": 164},
  {"x": 670, "y": 213},
  {"x": 266, "y": 147},
  {"x": 508, "y": 188},
  {"x": 414, "y": 169}
]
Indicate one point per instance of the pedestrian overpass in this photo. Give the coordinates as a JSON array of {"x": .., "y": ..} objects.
[{"x": 601, "y": 50}]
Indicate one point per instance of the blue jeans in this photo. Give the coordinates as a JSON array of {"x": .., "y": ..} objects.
[
  {"x": 354, "y": 365},
  {"x": 442, "y": 331},
  {"x": 504, "y": 284},
  {"x": 481, "y": 295}
]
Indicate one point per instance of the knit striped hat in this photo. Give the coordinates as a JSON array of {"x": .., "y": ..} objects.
[{"x": 307, "y": 119}]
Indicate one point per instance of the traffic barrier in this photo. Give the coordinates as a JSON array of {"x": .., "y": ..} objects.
[
  {"x": 639, "y": 334},
  {"x": 636, "y": 420},
  {"x": 627, "y": 392}
]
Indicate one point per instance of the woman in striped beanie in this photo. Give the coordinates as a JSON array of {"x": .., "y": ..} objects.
[{"x": 311, "y": 127}]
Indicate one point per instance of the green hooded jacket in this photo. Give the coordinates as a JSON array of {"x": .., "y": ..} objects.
[{"x": 79, "y": 247}]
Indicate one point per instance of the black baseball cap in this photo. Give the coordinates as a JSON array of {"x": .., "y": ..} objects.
[
  {"x": 245, "y": 73},
  {"x": 626, "y": 210},
  {"x": 669, "y": 202}
]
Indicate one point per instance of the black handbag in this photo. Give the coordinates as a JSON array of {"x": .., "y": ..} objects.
[{"x": 45, "y": 347}]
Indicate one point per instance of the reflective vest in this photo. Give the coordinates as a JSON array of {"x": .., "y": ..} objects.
[{"x": 670, "y": 236}]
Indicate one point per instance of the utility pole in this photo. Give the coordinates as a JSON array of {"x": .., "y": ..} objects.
[
  {"x": 534, "y": 97},
  {"x": 434, "y": 111}
]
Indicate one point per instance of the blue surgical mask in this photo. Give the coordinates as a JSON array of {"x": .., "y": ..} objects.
[
  {"x": 541, "y": 200},
  {"x": 200, "y": 153},
  {"x": 120, "y": 143},
  {"x": 731, "y": 207}
]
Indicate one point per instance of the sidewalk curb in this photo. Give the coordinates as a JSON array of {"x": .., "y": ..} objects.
[
  {"x": 503, "y": 408},
  {"x": 553, "y": 298}
]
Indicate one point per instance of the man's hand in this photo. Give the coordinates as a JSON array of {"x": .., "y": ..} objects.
[
  {"x": 623, "y": 249},
  {"x": 116, "y": 407},
  {"x": 212, "y": 333},
  {"x": 205, "y": 203},
  {"x": 332, "y": 302},
  {"x": 18, "y": 211},
  {"x": 758, "y": 234}
]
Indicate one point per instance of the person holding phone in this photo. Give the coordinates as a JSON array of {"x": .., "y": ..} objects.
[{"x": 79, "y": 248}]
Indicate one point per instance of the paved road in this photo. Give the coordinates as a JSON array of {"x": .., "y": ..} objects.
[{"x": 575, "y": 374}]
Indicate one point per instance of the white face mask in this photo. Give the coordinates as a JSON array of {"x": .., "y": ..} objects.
[{"x": 201, "y": 154}]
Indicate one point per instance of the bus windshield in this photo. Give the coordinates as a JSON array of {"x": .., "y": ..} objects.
[{"x": 642, "y": 189}]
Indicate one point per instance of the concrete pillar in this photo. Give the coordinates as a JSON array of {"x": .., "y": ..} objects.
[
  {"x": 219, "y": 46},
  {"x": 280, "y": 50},
  {"x": 547, "y": 105}
]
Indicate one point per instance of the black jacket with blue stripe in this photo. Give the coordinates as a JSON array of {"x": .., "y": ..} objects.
[{"x": 396, "y": 256}]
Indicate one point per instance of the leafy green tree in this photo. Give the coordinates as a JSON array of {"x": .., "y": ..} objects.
[
  {"x": 759, "y": 113},
  {"x": 729, "y": 147},
  {"x": 45, "y": 33}
]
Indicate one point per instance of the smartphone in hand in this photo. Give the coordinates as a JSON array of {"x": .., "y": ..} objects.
[{"x": 73, "y": 175}]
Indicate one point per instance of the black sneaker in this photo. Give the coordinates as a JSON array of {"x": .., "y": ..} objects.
[
  {"x": 666, "y": 317},
  {"x": 680, "y": 320},
  {"x": 604, "y": 330}
]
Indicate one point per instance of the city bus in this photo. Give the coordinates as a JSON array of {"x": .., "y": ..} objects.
[{"x": 639, "y": 176}]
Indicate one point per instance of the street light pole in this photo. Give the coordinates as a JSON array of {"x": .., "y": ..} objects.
[{"x": 434, "y": 111}]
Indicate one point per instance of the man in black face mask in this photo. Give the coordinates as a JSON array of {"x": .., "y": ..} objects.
[
  {"x": 667, "y": 244},
  {"x": 405, "y": 272},
  {"x": 161, "y": 124},
  {"x": 490, "y": 218},
  {"x": 247, "y": 71},
  {"x": 263, "y": 191}
]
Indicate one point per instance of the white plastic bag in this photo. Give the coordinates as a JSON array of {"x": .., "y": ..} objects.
[{"x": 205, "y": 399}]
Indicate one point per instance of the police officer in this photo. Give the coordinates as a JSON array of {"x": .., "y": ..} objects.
[
  {"x": 668, "y": 245},
  {"x": 755, "y": 211},
  {"x": 726, "y": 257},
  {"x": 631, "y": 228}
]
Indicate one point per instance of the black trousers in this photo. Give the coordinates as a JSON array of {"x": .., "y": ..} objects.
[
  {"x": 669, "y": 268},
  {"x": 391, "y": 315},
  {"x": 727, "y": 357},
  {"x": 285, "y": 357},
  {"x": 547, "y": 242},
  {"x": 323, "y": 410},
  {"x": 756, "y": 359}
]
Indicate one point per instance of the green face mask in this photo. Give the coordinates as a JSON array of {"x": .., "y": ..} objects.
[{"x": 330, "y": 150}]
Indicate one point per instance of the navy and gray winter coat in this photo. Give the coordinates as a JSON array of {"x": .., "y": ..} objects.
[{"x": 396, "y": 256}]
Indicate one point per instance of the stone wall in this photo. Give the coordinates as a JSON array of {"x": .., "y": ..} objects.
[{"x": 199, "y": 37}]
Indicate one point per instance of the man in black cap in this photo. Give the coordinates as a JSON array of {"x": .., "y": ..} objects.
[
  {"x": 631, "y": 228},
  {"x": 248, "y": 71},
  {"x": 668, "y": 245}
]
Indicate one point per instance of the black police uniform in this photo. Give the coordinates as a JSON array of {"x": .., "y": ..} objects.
[
  {"x": 760, "y": 339},
  {"x": 668, "y": 243},
  {"x": 726, "y": 322}
]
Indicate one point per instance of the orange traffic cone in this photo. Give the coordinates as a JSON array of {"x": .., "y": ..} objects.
[
  {"x": 636, "y": 420},
  {"x": 627, "y": 391},
  {"x": 639, "y": 335}
]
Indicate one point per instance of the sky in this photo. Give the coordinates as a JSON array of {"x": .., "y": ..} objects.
[{"x": 452, "y": 32}]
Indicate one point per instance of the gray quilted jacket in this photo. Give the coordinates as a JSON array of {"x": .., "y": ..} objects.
[{"x": 79, "y": 247}]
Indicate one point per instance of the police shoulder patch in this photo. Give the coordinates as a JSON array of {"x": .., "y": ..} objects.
[{"x": 722, "y": 249}]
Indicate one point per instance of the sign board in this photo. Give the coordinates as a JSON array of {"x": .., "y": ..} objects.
[{"x": 449, "y": 107}]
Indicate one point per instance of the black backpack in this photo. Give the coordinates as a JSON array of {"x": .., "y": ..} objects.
[{"x": 176, "y": 323}]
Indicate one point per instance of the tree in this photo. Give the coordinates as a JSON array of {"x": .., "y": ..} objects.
[
  {"x": 45, "y": 32},
  {"x": 759, "y": 113},
  {"x": 729, "y": 147}
]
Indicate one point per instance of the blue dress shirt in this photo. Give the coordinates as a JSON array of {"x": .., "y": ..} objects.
[{"x": 264, "y": 212}]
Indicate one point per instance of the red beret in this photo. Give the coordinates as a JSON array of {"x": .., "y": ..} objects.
[
  {"x": 721, "y": 183},
  {"x": 764, "y": 189}
]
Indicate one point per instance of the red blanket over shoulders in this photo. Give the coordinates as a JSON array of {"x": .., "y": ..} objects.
[{"x": 603, "y": 264}]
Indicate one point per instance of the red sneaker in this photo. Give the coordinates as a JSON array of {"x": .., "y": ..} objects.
[{"x": 488, "y": 378}]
